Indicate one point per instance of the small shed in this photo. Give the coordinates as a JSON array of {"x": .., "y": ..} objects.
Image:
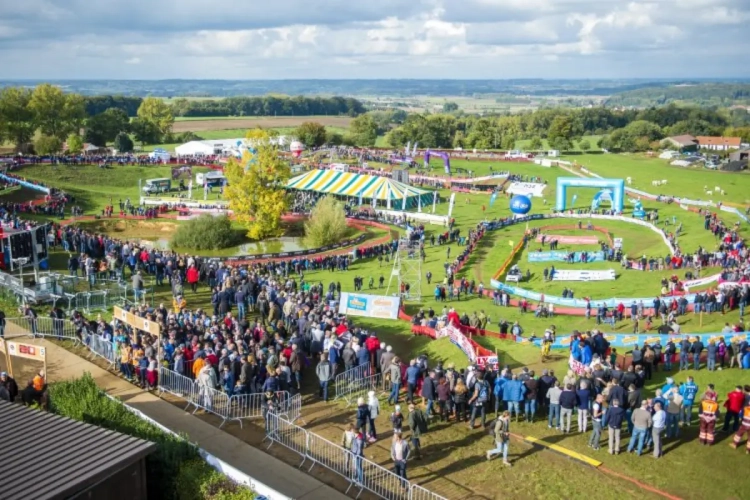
[{"x": 49, "y": 457}]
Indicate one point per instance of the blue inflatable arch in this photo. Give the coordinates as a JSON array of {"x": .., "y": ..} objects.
[{"x": 616, "y": 185}]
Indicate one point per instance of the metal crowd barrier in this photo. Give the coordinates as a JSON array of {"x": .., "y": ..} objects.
[
  {"x": 212, "y": 401},
  {"x": 360, "y": 472},
  {"x": 53, "y": 328},
  {"x": 178, "y": 385},
  {"x": 102, "y": 348},
  {"x": 349, "y": 384}
]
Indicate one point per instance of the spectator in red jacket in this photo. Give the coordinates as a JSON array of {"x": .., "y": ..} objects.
[
  {"x": 193, "y": 276},
  {"x": 734, "y": 403}
]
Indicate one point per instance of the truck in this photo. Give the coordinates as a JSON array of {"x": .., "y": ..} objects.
[
  {"x": 211, "y": 179},
  {"x": 157, "y": 186}
]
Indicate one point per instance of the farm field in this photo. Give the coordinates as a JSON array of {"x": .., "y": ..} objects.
[{"x": 216, "y": 123}]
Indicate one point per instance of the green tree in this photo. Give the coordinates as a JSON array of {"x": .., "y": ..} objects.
[
  {"x": 364, "y": 130},
  {"x": 57, "y": 114},
  {"x": 158, "y": 113},
  {"x": 123, "y": 143},
  {"x": 205, "y": 233},
  {"x": 311, "y": 134},
  {"x": 334, "y": 138},
  {"x": 741, "y": 132},
  {"x": 562, "y": 132},
  {"x": 145, "y": 132},
  {"x": 327, "y": 223},
  {"x": 508, "y": 142},
  {"x": 450, "y": 107},
  {"x": 536, "y": 143},
  {"x": 584, "y": 145},
  {"x": 74, "y": 144},
  {"x": 17, "y": 123},
  {"x": 104, "y": 127},
  {"x": 560, "y": 143},
  {"x": 256, "y": 190},
  {"x": 47, "y": 145}
]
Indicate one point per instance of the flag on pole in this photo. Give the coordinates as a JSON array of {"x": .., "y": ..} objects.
[
  {"x": 493, "y": 198},
  {"x": 403, "y": 203}
]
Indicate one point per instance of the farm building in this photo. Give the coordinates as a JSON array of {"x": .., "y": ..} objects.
[
  {"x": 683, "y": 143},
  {"x": 719, "y": 143},
  {"x": 366, "y": 187}
]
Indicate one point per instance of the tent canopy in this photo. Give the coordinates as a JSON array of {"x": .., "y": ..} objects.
[{"x": 355, "y": 185}]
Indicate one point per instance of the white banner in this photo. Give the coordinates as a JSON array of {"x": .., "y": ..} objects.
[
  {"x": 528, "y": 188},
  {"x": 701, "y": 281},
  {"x": 422, "y": 217},
  {"x": 574, "y": 275},
  {"x": 372, "y": 306}
]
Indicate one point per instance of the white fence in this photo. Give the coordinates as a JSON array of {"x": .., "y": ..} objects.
[
  {"x": 361, "y": 473},
  {"x": 52, "y": 328}
]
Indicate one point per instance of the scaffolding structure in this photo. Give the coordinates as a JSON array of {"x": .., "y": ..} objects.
[{"x": 407, "y": 271}]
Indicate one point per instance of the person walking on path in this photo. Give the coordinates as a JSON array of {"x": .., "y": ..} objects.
[
  {"x": 597, "y": 411},
  {"x": 659, "y": 422},
  {"x": 616, "y": 415},
  {"x": 418, "y": 425},
  {"x": 399, "y": 455},
  {"x": 642, "y": 421},
  {"x": 502, "y": 438},
  {"x": 358, "y": 451},
  {"x": 323, "y": 371}
]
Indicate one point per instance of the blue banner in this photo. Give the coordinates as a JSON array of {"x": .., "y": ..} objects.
[
  {"x": 559, "y": 256},
  {"x": 620, "y": 340},
  {"x": 29, "y": 185}
]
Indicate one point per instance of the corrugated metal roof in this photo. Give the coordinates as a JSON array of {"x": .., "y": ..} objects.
[{"x": 54, "y": 457}]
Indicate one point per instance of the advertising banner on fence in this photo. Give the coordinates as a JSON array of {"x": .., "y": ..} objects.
[
  {"x": 701, "y": 281},
  {"x": 535, "y": 189},
  {"x": 136, "y": 321},
  {"x": 28, "y": 351},
  {"x": 558, "y": 256},
  {"x": 629, "y": 340},
  {"x": 372, "y": 306},
  {"x": 584, "y": 275},
  {"x": 570, "y": 240},
  {"x": 459, "y": 340}
]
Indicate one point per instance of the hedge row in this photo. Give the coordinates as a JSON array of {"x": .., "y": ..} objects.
[{"x": 175, "y": 471}]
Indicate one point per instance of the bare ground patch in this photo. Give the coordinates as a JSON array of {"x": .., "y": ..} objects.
[{"x": 269, "y": 122}]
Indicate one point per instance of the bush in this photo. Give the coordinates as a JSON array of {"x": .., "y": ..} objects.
[
  {"x": 174, "y": 471},
  {"x": 327, "y": 223},
  {"x": 205, "y": 233}
]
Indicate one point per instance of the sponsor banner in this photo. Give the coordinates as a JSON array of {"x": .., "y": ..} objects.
[
  {"x": 418, "y": 216},
  {"x": 372, "y": 306},
  {"x": 535, "y": 189},
  {"x": 587, "y": 275},
  {"x": 460, "y": 340},
  {"x": 701, "y": 281},
  {"x": 491, "y": 362},
  {"x": 137, "y": 322},
  {"x": 570, "y": 240},
  {"x": 576, "y": 303},
  {"x": 28, "y": 185},
  {"x": 617, "y": 243},
  {"x": 618, "y": 340},
  {"x": 558, "y": 256},
  {"x": 28, "y": 351}
]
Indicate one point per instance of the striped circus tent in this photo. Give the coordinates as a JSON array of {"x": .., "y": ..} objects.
[{"x": 362, "y": 186}]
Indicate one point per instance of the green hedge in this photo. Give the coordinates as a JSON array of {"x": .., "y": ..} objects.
[
  {"x": 206, "y": 233},
  {"x": 175, "y": 471}
]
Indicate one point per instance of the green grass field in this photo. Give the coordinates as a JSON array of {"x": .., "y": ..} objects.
[{"x": 454, "y": 464}]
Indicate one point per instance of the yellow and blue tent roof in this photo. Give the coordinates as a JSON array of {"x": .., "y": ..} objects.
[{"x": 353, "y": 184}]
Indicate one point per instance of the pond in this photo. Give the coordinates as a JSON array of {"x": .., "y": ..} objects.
[{"x": 271, "y": 245}]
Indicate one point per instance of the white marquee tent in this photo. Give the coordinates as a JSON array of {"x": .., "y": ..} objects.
[{"x": 218, "y": 146}]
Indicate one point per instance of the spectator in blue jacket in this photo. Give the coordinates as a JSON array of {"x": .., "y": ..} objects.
[
  {"x": 513, "y": 393},
  {"x": 498, "y": 389},
  {"x": 586, "y": 354},
  {"x": 616, "y": 417},
  {"x": 412, "y": 379}
]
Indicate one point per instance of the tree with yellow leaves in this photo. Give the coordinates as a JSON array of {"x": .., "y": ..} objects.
[{"x": 256, "y": 186}]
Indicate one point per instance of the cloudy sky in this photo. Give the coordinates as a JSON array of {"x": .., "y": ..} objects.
[{"x": 250, "y": 39}]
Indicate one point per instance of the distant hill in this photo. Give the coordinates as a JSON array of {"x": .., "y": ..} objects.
[
  {"x": 228, "y": 88},
  {"x": 701, "y": 94}
]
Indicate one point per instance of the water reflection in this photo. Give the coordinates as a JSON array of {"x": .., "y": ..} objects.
[{"x": 271, "y": 245}]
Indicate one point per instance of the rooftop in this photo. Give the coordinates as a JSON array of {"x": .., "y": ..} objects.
[
  {"x": 732, "y": 142},
  {"x": 59, "y": 456}
]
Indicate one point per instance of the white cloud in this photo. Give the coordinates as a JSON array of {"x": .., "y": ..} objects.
[{"x": 385, "y": 39}]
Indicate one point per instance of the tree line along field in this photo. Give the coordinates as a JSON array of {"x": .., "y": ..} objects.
[{"x": 200, "y": 124}]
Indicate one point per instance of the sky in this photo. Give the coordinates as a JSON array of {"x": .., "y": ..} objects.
[{"x": 298, "y": 39}]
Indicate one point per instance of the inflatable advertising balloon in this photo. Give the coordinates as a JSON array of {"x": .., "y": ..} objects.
[
  {"x": 520, "y": 204},
  {"x": 296, "y": 148}
]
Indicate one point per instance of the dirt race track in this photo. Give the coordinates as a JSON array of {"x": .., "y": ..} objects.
[{"x": 264, "y": 122}]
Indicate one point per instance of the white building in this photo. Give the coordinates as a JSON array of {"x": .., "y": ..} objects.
[{"x": 219, "y": 146}]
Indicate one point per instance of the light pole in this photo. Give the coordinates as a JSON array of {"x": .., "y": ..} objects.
[{"x": 20, "y": 262}]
